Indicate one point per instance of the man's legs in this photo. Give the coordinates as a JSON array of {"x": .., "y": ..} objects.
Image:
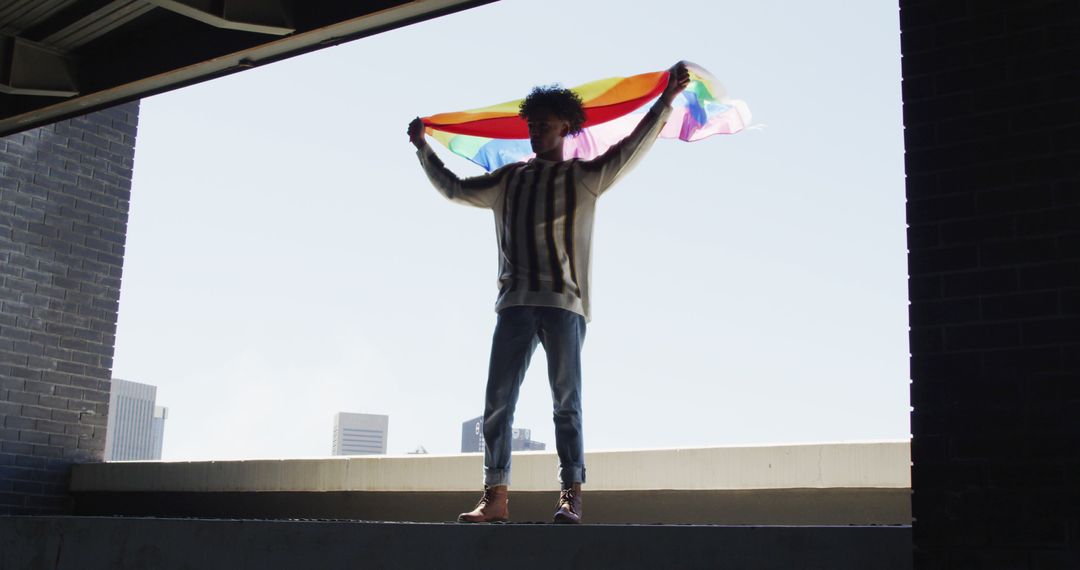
[
  {"x": 563, "y": 334},
  {"x": 517, "y": 333}
]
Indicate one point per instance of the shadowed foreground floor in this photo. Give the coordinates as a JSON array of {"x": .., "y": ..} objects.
[{"x": 90, "y": 543}]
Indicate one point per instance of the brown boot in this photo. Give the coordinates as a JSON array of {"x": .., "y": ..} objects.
[
  {"x": 493, "y": 507},
  {"x": 569, "y": 506}
]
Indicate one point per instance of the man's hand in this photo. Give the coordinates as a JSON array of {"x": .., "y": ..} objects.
[
  {"x": 678, "y": 79},
  {"x": 416, "y": 132}
]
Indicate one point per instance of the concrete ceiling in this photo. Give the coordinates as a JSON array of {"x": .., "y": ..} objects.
[{"x": 61, "y": 58}]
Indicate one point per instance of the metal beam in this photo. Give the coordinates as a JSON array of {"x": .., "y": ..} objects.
[
  {"x": 29, "y": 68},
  {"x": 124, "y": 83},
  {"x": 258, "y": 16},
  {"x": 98, "y": 19},
  {"x": 18, "y": 15}
]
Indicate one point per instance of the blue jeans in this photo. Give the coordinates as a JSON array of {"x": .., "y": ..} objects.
[{"x": 517, "y": 333}]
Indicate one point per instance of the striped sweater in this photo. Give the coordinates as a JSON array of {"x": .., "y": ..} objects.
[{"x": 544, "y": 216}]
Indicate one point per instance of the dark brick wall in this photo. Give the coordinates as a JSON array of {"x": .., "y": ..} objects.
[
  {"x": 64, "y": 192},
  {"x": 992, "y": 132}
]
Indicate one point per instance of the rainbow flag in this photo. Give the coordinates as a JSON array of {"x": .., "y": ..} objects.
[{"x": 494, "y": 136}]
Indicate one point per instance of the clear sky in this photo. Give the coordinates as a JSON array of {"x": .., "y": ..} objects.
[{"x": 287, "y": 258}]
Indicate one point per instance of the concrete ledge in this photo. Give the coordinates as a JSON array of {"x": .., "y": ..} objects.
[
  {"x": 90, "y": 543},
  {"x": 820, "y": 484},
  {"x": 885, "y": 465},
  {"x": 753, "y": 507}
]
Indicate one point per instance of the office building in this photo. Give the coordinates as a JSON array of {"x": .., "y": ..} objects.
[
  {"x": 472, "y": 438},
  {"x": 360, "y": 434},
  {"x": 136, "y": 425},
  {"x": 157, "y": 429},
  {"x": 472, "y": 435},
  {"x": 521, "y": 440}
]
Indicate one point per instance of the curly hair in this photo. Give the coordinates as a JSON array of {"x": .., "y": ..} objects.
[{"x": 554, "y": 99}]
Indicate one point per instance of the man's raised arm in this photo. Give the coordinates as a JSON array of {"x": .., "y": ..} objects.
[
  {"x": 479, "y": 191},
  {"x": 601, "y": 172}
]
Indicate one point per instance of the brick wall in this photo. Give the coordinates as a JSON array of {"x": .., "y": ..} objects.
[
  {"x": 992, "y": 132},
  {"x": 64, "y": 192}
]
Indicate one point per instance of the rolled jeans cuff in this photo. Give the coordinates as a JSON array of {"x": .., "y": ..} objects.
[
  {"x": 571, "y": 474},
  {"x": 493, "y": 477}
]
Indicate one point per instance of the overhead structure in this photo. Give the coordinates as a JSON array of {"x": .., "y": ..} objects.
[{"x": 61, "y": 58}]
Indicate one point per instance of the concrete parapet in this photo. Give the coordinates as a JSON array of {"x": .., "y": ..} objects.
[
  {"x": 812, "y": 484},
  {"x": 882, "y": 465}
]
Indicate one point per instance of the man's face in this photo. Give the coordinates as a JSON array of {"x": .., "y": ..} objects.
[{"x": 546, "y": 131}]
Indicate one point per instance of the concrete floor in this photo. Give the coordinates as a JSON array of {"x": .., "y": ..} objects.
[{"x": 91, "y": 543}]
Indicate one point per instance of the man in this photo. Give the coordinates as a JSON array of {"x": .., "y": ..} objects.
[{"x": 543, "y": 222}]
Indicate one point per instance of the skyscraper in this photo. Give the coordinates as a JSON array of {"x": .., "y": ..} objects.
[
  {"x": 360, "y": 434},
  {"x": 472, "y": 435},
  {"x": 136, "y": 425},
  {"x": 157, "y": 429},
  {"x": 521, "y": 440},
  {"x": 472, "y": 438}
]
